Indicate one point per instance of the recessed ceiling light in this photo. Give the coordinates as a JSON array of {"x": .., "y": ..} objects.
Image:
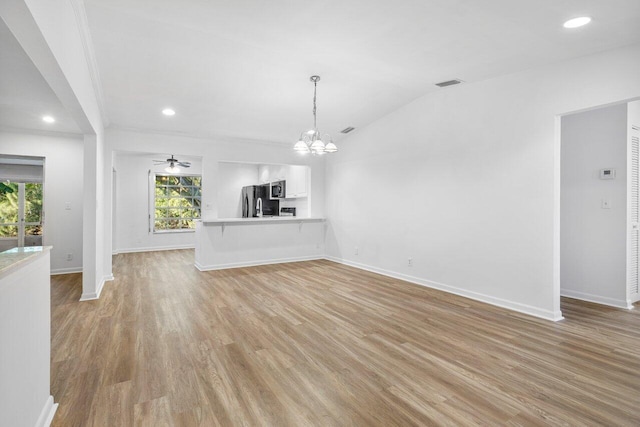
[
  {"x": 577, "y": 22},
  {"x": 48, "y": 119},
  {"x": 169, "y": 112}
]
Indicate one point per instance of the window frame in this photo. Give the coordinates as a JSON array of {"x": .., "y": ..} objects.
[{"x": 153, "y": 205}]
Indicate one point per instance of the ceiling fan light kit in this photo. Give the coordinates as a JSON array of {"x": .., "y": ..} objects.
[
  {"x": 172, "y": 169},
  {"x": 173, "y": 164},
  {"x": 311, "y": 140}
]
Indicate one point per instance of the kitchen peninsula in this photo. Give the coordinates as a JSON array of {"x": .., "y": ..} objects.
[
  {"x": 264, "y": 217},
  {"x": 241, "y": 242},
  {"x": 25, "y": 334}
]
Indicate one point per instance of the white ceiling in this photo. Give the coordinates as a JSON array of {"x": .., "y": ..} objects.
[
  {"x": 24, "y": 94},
  {"x": 240, "y": 68}
]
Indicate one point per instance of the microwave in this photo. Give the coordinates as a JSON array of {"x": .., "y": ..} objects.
[{"x": 278, "y": 190}]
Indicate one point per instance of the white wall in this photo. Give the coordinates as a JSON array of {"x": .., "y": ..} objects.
[
  {"x": 231, "y": 178},
  {"x": 213, "y": 151},
  {"x": 63, "y": 182},
  {"x": 132, "y": 203},
  {"x": 466, "y": 181},
  {"x": 593, "y": 240},
  {"x": 633, "y": 109}
]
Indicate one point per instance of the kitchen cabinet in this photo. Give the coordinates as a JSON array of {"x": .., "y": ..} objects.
[
  {"x": 297, "y": 178},
  {"x": 271, "y": 173}
]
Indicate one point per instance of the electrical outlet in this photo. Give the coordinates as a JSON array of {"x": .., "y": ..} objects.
[
  {"x": 410, "y": 262},
  {"x": 356, "y": 251},
  {"x": 69, "y": 257}
]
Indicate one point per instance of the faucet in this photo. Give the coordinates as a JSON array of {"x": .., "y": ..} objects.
[{"x": 259, "y": 207}]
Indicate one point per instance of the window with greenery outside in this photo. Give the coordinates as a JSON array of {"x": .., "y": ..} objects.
[
  {"x": 9, "y": 209},
  {"x": 177, "y": 202}
]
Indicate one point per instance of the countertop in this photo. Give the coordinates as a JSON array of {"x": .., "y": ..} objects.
[
  {"x": 263, "y": 220},
  {"x": 15, "y": 258}
]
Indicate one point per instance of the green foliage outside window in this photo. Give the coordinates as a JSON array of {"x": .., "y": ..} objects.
[
  {"x": 9, "y": 209},
  {"x": 177, "y": 202}
]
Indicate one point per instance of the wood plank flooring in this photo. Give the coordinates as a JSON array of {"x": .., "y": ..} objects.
[{"x": 322, "y": 344}]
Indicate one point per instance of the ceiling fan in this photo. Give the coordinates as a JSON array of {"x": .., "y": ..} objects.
[{"x": 172, "y": 164}]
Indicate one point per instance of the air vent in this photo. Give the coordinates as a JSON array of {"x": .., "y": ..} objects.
[
  {"x": 449, "y": 83},
  {"x": 347, "y": 130}
]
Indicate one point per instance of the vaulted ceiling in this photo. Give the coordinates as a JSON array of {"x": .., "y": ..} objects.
[{"x": 240, "y": 68}]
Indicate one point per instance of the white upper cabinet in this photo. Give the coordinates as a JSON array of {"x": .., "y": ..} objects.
[
  {"x": 264, "y": 174},
  {"x": 297, "y": 181},
  {"x": 296, "y": 177}
]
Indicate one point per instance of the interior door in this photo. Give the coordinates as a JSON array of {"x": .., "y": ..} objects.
[{"x": 633, "y": 244}]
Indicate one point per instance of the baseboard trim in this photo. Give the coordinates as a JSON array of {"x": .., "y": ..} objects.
[
  {"x": 510, "y": 305},
  {"x": 598, "y": 299},
  {"x": 152, "y": 249},
  {"x": 47, "y": 413},
  {"x": 66, "y": 270},
  {"x": 93, "y": 295},
  {"x": 256, "y": 263}
]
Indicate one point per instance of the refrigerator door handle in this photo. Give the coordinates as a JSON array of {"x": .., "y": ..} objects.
[{"x": 245, "y": 207}]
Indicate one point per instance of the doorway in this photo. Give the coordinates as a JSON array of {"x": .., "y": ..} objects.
[
  {"x": 599, "y": 205},
  {"x": 21, "y": 201}
]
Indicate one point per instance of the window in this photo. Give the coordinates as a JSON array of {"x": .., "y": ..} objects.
[
  {"x": 20, "y": 214},
  {"x": 176, "y": 202}
]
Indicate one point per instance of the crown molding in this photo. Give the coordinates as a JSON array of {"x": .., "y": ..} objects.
[{"x": 89, "y": 54}]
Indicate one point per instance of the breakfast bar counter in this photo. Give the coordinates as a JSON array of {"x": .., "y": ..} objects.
[
  {"x": 261, "y": 220},
  {"x": 241, "y": 242}
]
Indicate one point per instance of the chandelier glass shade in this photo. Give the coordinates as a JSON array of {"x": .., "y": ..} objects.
[{"x": 311, "y": 141}]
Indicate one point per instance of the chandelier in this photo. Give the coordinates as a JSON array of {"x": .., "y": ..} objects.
[{"x": 311, "y": 141}]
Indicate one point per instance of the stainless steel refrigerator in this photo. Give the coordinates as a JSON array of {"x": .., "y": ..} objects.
[{"x": 250, "y": 196}]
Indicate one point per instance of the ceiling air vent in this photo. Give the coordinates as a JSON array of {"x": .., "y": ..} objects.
[
  {"x": 449, "y": 83},
  {"x": 347, "y": 130}
]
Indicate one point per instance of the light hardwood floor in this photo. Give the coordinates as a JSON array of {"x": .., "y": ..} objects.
[{"x": 318, "y": 343}]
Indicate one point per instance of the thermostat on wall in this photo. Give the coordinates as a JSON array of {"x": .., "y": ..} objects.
[{"x": 607, "y": 173}]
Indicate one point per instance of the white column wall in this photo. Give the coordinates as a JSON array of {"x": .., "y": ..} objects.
[{"x": 91, "y": 283}]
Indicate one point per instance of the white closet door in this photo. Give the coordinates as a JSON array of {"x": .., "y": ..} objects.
[{"x": 633, "y": 261}]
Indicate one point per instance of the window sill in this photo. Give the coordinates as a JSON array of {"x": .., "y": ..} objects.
[{"x": 189, "y": 230}]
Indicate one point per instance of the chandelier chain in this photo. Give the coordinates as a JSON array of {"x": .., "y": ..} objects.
[{"x": 315, "y": 122}]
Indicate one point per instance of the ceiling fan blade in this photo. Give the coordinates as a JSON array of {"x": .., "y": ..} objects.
[
  {"x": 184, "y": 164},
  {"x": 159, "y": 162}
]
